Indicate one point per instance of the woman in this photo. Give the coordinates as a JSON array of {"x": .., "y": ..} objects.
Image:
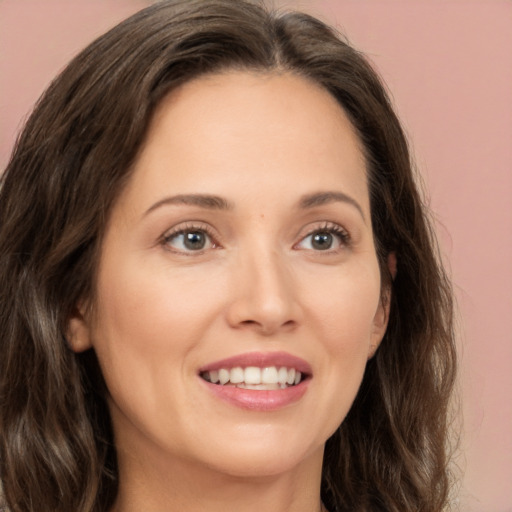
[{"x": 219, "y": 288}]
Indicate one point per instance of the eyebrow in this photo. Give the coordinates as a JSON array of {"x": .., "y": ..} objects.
[
  {"x": 321, "y": 198},
  {"x": 212, "y": 202},
  {"x": 207, "y": 201}
]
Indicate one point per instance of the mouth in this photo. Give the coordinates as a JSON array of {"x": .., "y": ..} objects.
[
  {"x": 258, "y": 381},
  {"x": 253, "y": 377}
]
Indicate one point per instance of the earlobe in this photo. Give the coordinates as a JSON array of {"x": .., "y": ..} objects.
[
  {"x": 380, "y": 323},
  {"x": 381, "y": 318},
  {"x": 78, "y": 331}
]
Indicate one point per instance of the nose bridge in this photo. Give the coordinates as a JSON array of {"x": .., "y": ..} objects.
[
  {"x": 269, "y": 275},
  {"x": 264, "y": 298}
]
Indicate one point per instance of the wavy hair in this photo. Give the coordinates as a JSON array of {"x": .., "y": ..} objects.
[{"x": 69, "y": 165}]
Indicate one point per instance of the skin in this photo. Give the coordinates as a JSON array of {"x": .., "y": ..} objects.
[{"x": 261, "y": 142}]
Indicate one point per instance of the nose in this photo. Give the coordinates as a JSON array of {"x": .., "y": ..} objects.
[{"x": 264, "y": 296}]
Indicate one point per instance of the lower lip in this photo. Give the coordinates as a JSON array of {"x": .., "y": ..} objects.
[{"x": 258, "y": 400}]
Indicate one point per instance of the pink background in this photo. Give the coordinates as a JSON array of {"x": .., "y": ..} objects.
[{"x": 449, "y": 66}]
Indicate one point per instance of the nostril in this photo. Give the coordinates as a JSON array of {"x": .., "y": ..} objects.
[
  {"x": 249, "y": 322},
  {"x": 268, "y": 328}
]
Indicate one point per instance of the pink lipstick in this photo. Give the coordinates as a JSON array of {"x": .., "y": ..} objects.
[{"x": 258, "y": 381}]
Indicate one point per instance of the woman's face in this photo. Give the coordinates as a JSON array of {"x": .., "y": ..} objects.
[{"x": 240, "y": 249}]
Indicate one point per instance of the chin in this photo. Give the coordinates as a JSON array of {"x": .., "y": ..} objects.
[
  {"x": 263, "y": 457},
  {"x": 263, "y": 466}
]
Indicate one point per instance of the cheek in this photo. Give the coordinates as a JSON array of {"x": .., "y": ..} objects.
[
  {"x": 345, "y": 308},
  {"x": 343, "y": 317},
  {"x": 147, "y": 327},
  {"x": 150, "y": 321},
  {"x": 144, "y": 309}
]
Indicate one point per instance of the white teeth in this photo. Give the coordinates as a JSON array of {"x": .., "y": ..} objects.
[
  {"x": 269, "y": 375},
  {"x": 262, "y": 387},
  {"x": 282, "y": 375},
  {"x": 253, "y": 377},
  {"x": 223, "y": 376},
  {"x": 236, "y": 375}
]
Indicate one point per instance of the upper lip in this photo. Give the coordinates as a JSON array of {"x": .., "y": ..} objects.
[{"x": 260, "y": 360}]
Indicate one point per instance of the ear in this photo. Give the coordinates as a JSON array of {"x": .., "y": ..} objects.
[
  {"x": 392, "y": 264},
  {"x": 78, "y": 333},
  {"x": 380, "y": 321}
]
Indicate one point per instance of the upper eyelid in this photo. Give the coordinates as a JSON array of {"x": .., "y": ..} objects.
[
  {"x": 188, "y": 226},
  {"x": 175, "y": 231},
  {"x": 323, "y": 226},
  {"x": 304, "y": 232},
  {"x": 339, "y": 231}
]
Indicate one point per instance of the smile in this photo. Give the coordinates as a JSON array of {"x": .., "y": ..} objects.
[
  {"x": 258, "y": 381},
  {"x": 253, "y": 377}
]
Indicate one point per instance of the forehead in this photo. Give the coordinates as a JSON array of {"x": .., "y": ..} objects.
[
  {"x": 295, "y": 101},
  {"x": 250, "y": 128}
]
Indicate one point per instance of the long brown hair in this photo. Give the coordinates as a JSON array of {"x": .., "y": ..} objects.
[{"x": 68, "y": 167}]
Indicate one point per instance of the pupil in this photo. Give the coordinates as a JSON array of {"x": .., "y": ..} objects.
[
  {"x": 322, "y": 241},
  {"x": 194, "y": 240}
]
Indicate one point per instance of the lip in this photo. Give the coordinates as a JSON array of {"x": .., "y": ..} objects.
[
  {"x": 260, "y": 360},
  {"x": 259, "y": 400}
]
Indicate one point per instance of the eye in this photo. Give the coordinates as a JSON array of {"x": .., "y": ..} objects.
[
  {"x": 189, "y": 239},
  {"x": 325, "y": 239}
]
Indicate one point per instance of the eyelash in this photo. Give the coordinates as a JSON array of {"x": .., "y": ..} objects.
[
  {"x": 332, "y": 229},
  {"x": 189, "y": 228},
  {"x": 328, "y": 227}
]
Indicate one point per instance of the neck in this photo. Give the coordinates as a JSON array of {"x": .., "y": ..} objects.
[{"x": 156, "y": 486}]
